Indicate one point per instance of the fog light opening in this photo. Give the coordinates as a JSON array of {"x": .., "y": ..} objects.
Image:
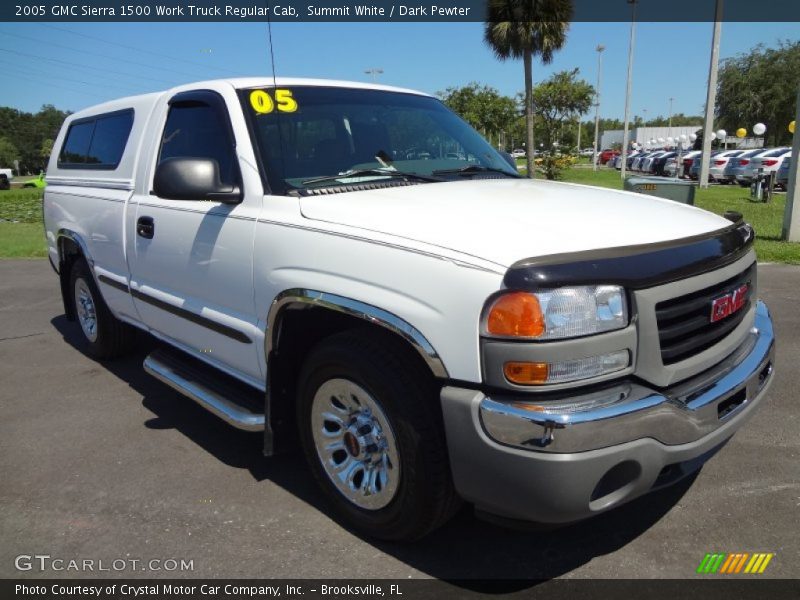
[
  {"x": 617, "y": 483},
  {"x": 729, "y": 405}
]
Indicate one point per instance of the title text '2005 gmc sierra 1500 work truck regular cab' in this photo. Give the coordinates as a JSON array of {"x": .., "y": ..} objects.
[{"x": 353, "y": 268}]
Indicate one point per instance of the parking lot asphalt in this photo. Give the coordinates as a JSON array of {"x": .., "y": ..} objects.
[{"x": 101, "y": 461}]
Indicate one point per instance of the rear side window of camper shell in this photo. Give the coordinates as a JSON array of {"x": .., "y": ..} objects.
[{"x": 96, "y": 142}]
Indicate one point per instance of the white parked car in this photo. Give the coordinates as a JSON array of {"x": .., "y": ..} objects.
[
  {"x": 518, "y": 153},
  {"x": 768, "y": 159},
  {"x": 432, "y": 330},
  {"x": 718, "y": 163},
  {"x": 738, "y": 164},
  {"x": 769, "y": 162}
]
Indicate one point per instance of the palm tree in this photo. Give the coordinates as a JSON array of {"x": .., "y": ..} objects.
[{"x": 524, "y": 29}]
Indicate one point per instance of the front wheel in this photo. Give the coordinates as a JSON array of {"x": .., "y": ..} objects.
[{"x": 371, "y": 430}]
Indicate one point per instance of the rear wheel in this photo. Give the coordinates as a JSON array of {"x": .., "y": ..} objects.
[
  {"x": 371, "y": 430},
  {"x": 105, "y": 336}
]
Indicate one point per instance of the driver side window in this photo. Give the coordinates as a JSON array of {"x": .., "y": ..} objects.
[{"x": 197, "y": 130}]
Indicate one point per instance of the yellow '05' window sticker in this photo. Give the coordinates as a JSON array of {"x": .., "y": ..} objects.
[{"x": 263, "y": 103}]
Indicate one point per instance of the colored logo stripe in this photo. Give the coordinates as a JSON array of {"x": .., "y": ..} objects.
[{"x": 720, "y": 562}]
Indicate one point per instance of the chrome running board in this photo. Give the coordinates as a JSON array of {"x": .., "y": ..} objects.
[{"x": 234, "y": 402}]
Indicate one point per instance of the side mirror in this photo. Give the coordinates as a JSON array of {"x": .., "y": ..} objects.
[{"x": 193, "y": 179}]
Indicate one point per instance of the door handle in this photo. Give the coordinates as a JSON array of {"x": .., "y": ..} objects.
[{"x": 145, "y": 227}]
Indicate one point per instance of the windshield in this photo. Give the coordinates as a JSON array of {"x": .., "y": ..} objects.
[{"x": 311, "y": 137}]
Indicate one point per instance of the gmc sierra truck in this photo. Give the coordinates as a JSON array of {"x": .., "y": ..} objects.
[{"x": 353, "y": 269}]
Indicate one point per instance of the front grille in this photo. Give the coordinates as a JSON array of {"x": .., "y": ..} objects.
[{"x": 684, "y": 323}]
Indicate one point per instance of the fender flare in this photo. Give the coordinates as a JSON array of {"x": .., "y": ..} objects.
[
  {"x": 63, "y": 275},
  {"x": 354, "y": 308}
]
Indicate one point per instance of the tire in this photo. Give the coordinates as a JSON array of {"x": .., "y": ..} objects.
[
  {"x": 103, "y": 334},
  {"x": 412, "y": 489}
]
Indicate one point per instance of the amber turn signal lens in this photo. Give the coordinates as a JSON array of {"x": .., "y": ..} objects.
[
  {"x": 526, "y": 373},
  {"x": 516, "y": 314}
]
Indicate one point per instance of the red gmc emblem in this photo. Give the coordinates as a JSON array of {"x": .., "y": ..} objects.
[{"x": 729, "y": 303}]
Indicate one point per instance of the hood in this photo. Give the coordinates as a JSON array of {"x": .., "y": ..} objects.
[{"x": 506, "y": 220}]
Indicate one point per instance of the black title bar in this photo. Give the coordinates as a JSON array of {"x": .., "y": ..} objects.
[
  {"x": 732, "y": 588},
  {"x": 379, "y": 10}
]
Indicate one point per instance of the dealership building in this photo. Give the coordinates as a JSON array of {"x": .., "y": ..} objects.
[{"x": 642, "y": 135}]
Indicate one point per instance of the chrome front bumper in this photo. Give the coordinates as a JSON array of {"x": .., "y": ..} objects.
[
  {"x": 628, "y": 411},
  {"x": 570, "y": 457}
]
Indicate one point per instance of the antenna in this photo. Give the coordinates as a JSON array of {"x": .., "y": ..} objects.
[
  {"x": 271, "y": 51},
  {"x": 275, "y": 85}
]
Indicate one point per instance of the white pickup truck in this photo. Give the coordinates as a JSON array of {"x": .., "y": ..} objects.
[{"x": 353, "y": 268}]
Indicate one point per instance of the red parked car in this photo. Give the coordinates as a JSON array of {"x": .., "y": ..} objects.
[{"x": 606, "y": 155}]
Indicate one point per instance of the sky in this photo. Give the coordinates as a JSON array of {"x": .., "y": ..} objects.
[{"x": 75, "y": 65}]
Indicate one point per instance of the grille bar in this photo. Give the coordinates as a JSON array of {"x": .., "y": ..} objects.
[{"x": 684, "y": 324}]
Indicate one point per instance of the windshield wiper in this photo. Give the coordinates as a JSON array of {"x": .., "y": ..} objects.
[
  {"x": 473, "y": 170},
  {"x": 367, "y": 172}
]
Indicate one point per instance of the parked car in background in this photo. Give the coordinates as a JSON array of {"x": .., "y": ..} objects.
[
  {"x": 782, "y": 178},
  {"x": 6, "y": 175},
  {"x": 646, "y": 165},
  {"x": 769, "y": 162},
  {"x": 767, "y": 159},
  {"x": 657, "y": 167},
  {"x": 587, "y": 152},
  {"x": 606, "y": 155},
  {"x": 737, "y": 162},
  {"x": 716, "y": 168},
  {"x": 636, "y": 164},
  {"x": 685, "y": 159},
  {"x": 688, "y": 161},
  {"x": 628, "y": 159},
  {"x": 518, "y": 153}
]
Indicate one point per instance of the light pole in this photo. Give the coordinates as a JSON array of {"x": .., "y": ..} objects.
[
  {"x": 374, "y": 71},
  {"x": 791, "y": 214},
  {"x": 711, "y": 97},
  {"x": 624, "y": 161},
  {"x": 599, "y": 49}
]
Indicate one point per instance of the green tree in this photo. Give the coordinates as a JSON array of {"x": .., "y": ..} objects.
[
  {"x": 678, "y": 120},
  {"x": 47, "y": 149},
  {"x": 482, "y": 106},
  {"x": 526, "y": 29},
  {"x": 28, "y": 131},
  {"x": 760, "y": 87},
  {"x": 8, "y": 153},
  {"x": 560, "y": 100}
]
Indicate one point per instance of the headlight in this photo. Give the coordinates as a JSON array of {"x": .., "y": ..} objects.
[{"x": 559, "y": 313}]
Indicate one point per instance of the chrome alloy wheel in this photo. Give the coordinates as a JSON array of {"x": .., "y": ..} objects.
[
  {"x": 84, "y": 306},
  {"x": 355, "y": 444}
]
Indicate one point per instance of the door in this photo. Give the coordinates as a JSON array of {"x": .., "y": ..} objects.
[{"x": 192, "y": 260}]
